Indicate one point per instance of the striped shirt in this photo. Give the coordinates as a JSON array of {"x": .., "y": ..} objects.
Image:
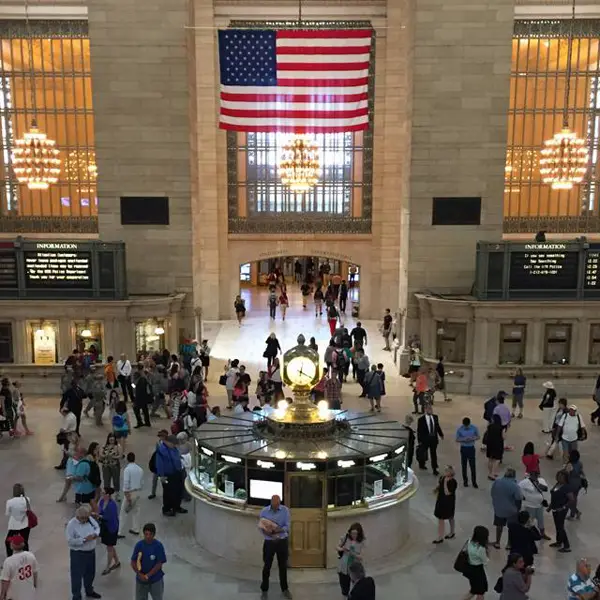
[{"x": 578, "y": 586}]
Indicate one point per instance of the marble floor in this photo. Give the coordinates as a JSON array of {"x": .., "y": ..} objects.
[{"x": 421, "y": 572}]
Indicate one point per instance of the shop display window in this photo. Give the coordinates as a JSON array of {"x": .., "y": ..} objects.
[
  {"x": 44, "y": 342},
  {"x": 149, "y": 337},
  {"x": 89, "y": 340}
]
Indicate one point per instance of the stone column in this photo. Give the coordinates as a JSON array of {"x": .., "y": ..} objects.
[{"x": 536, "y": 346}]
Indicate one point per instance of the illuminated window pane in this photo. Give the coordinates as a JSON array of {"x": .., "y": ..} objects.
[{"x": 59, "y": 94}]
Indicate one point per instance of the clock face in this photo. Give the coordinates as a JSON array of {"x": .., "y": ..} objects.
[{"x": 302, "y": 371}]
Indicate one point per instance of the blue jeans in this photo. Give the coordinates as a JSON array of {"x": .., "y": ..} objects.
[
  {"x": 538, "y": 515},
  {"x": 467, "y": 455},
  {"x": 83, "y": 568}
]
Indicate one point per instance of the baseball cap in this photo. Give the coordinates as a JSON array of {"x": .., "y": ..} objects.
[
  {"x": 17, "y": 540},
  {"x": 172, "y": 439},
  {"x": 572, "y": 407}
]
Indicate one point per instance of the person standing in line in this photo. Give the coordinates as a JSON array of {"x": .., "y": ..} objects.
[
  {"x": 506, "y": 501},
  {"x": 168, "y": 468},
  {"x": 274, "y": 524},
  {"x": 561, "y": 498},
  {"x": 143, "y": 398},
  {"x": 124, "y": 377},
  {"x": 386, "y": 329},
  {"x": 571, "y": 430},
  {"x": 147, "y": 560},
  {"x": 82, "y": 531},
  {"x": 445, "y": 504},
  {"x": 108, "y": 511},
  {"x": 466, "y": 436},
  {"x": 16, "y": 511},
  {"x": 534, "y": 489},
  {"x": 110, "y": 460},
  {"x": 19, "y": 576},
  {"x": 349, "y": 550},
  {"x": 318, "y": 300},
  {"x": 272, "y": 350},
  {"x": 272, "y": 301},
  {"x": 547, "y": 406},
  {"x": 518, "y": 393},
  {"x": 343, "y": 296},
  {"x": 477, "y": 557},
  {"x": 429, "y": 434},
  {"x": 133, "y": 482},
  {"x": 284, "y": 302},
  {"x": 162, "y": 436}
]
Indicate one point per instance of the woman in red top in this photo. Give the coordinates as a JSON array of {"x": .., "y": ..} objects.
[
  {"x": 530, "y": 459},
  {"x": 283, "y": 302}
]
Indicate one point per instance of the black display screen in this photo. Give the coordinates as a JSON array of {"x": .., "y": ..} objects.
[
  {"x": 58, "y": 269},
  {"x": 544, "y": 267},
  {"x": 8, "y": 269},
  {"x": 591, "y": 277}
]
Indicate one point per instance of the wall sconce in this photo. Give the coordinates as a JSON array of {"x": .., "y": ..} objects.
[
  {"x": 159, "y": 330},
  {"x": 86, "y": 332}
]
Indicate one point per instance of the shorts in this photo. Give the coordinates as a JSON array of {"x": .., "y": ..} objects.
[
  {"x": 121, "y": 435},
  {"x": 84, "y": 498},
  {"x": 500, "y": 521},
  {"x": 517, "y": 400}
]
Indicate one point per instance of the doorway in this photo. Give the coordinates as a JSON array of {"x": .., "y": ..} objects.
[{"x": 306, "y": 499}]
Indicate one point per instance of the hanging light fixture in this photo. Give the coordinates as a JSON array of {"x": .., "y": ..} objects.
[
  {"x": 86, "y": 332},
  {"x": 159, "y": 330},
  {"x": 564, "y": 158},
  {"x": 299, "y": 167},
  {"x": 35, "y": 158}
]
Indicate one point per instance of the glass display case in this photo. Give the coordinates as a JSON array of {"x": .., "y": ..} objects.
[{"x": 361, "y": 463}]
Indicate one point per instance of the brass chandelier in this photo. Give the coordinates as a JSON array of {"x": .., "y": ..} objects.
[
  {"x": 299, "y": 166},
  {"x": 35, "y": 158},
  {"x": 564, "y": 158}
]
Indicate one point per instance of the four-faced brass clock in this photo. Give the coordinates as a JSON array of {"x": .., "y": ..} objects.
[{"x": 301, "y": 367}]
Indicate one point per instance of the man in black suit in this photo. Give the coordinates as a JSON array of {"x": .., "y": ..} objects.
[{"x": 429, "y": 433}]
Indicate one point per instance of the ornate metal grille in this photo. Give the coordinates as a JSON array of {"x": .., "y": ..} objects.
[
  {"x": 341, "y": 201},
  {"x": 538, "y": 80},
  {"x": 63, "y": 90}
]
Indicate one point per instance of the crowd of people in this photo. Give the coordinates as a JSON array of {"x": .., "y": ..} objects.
[{"x": 107, "y": 480}]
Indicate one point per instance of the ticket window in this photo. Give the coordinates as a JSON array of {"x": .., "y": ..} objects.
[
  {"x": 452, "y": 341},
  {"x": 89, "y": 340},
  {"x": 43, "y": 339},
  {"x": 149, "y": 337},
  {"x": 512, "y": 344},
  {"x": 594, "y": 355},
  {"x": 557, "y": 347}
]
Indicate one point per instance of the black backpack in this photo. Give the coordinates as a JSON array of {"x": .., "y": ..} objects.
[{"x": 152, "y": 463}]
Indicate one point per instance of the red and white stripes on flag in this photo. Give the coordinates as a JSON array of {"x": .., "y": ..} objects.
[{"x": 322, "y": 80}]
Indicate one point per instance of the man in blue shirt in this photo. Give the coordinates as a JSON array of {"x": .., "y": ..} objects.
[
  {"x": 466, "y": 436},
  {"x": 147, "y": 560},
  {"x": 169, "y": 469},
  {"x": 274, "y": 524}
]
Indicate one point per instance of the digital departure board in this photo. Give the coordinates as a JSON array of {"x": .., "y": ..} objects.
[
  {"x": 58, "y": 269},
  {"x": 37, "y": 269},
  {"x": 592, "y": 269},
  {"x": 544, "y": 267}
]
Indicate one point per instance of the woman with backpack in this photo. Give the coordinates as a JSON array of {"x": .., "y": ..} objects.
[
  {"x": 332, "y": 317},
  {"x": 121, "y": 425}
]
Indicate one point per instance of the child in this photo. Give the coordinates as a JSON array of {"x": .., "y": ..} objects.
[{"x": 530, "y": 459}]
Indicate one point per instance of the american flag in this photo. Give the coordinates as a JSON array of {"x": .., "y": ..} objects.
[{"x": 294, "y": 81}]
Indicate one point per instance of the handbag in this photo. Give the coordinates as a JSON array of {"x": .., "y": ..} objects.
[
  {"x": 581, "y": 432},
  {"x": 223, "y": 379},
  {"x": 461, "y": 563},
  {"x": 32, "y": 520},
  {"x": 499, "y": 585},
  {"x": 341, "y": 552}
]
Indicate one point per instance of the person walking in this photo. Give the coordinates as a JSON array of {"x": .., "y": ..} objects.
[
  {"x": 272, "y": 301},
  {"x": 133, "y": 482},
  {"x": 231, "y": 375},
  {"x": 516, "y": 578},
  {"x": 108, "y": 511},
  {"x": 240, "y": 309},
  {"x": 142, "y": 399},
  {"x": 493, "y": 440},
  {"x": 168, "y": 468},
  {"x": 272, "y": 350},
  {"x": 305, "y": 291},
  {"x": 204, "y": 353},
  {"x": 124, "y": 372},
  {"x": 332, "y": 317},
  {"x": 386, "y": 329},
  {"x": 477, "y": 557},
  {"x": 82, "y": 531},
  {"x": 547, "y": 406},
  {"x": 349, "y": 551},
  {"x": 445, "y": 504},
  {"x": 284, "y": 302},
  {"x": 73, "y": 399},
  {"x": 518, "y": 393},
  {"x": 506, "y": 501},
  {"x": 561, "y": 498},
  {"x": 429, "y": 434},
  {"x": 318, "y": 300},
  {"x": 343, "y": 294},
  {"x": 19, "y": 576},
  {"x": 87, "y": 477},
  {"x": 466, "y": 436},
  {"x": 373, "y": 387},
  {"x": 577, "y": 481},
  {"x": 440, "y": 370},
  {"x": 274, "y": 524},
  {"x": 534, "y": 490},
  {"x": 18, "y": 521},
  {"x": 147, "y": 560},
  {"x": 410, "y": 450},
  {"x": 110, "y": 462},
  {"x": 359, "y": 336}
]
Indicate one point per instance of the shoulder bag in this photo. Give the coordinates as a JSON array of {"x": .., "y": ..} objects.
[
  {"x": 32, "y": 520},
  {"x": 461, "y": 562},
  {"x": 581, "y": 432}
]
